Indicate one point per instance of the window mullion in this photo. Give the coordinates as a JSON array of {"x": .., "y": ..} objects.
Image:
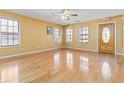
[
  {"x": 13, "y": 33},
  {"x": 7, "y": 34}
]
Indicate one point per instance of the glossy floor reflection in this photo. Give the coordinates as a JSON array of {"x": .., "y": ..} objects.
[{"x": 63, "y": 66}]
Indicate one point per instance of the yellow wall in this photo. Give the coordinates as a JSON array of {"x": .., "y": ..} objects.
[
  {"x": 92, "y": 45},
  {"x": 33, "y": 35}
]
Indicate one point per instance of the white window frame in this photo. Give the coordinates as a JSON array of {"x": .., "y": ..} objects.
[
  {"x": 83, "y": 34},
  {"x": 19, "y": 33},
  {"x": 57, "y": 36},
  {"x": 70, "y": 36}
]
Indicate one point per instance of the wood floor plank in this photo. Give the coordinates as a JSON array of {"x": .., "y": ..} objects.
[{"x": 63, "y": 66}]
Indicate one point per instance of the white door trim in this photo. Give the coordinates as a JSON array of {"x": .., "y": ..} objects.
[{"x": 98, "y": 35}]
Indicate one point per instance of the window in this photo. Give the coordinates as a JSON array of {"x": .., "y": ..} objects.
[
  {"x": 9, "y": 32},
  {"x": 84, "y": 35},
  {"x": 69, "y": 35},
  {"x": 57, "y": 35},
  {"x": 106, "y": 35}
]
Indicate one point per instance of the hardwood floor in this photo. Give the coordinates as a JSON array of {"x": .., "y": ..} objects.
[{"x": 63, "y": 65}]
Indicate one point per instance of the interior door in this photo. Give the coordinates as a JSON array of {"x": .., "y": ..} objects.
[{"x": 106, "y": 38}]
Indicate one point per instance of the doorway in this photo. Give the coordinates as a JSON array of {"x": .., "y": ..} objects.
[{"x": 106, "y": 38}]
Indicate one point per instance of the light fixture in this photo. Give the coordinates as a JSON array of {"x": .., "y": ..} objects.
[{"x": 66, "y": 14}]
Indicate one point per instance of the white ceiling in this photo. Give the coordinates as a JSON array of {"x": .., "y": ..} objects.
[{"x": 84, "y": 14}]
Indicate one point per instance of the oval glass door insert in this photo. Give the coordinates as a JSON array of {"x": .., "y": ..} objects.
[{"x": 106, "y": 35}]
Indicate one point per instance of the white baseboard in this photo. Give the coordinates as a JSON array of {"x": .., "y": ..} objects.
[
  {"x": 90, "y": 50},
  {"x": 81, "y": 49},
  {"x": 43, "y": 50},
  {"x": 25, "y": 53},
  {"x": 120, "y": 54}
]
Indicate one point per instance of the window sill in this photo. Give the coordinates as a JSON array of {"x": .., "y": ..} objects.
[
  {"x": 83, "y": 43},
  {"x": 11, "y": 46}
]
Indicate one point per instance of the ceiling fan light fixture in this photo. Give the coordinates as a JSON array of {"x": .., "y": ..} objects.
[
  {"x": 65, "y": 17},
  {"x": 67, "y": 14}
]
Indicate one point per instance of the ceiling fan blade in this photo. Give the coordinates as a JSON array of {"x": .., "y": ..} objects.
[
  {"x": 58, "y": 14},
  {"x": 74, "y": 14}
]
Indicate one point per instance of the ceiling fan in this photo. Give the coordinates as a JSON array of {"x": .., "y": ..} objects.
[{"x": 66, "y": 14}]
